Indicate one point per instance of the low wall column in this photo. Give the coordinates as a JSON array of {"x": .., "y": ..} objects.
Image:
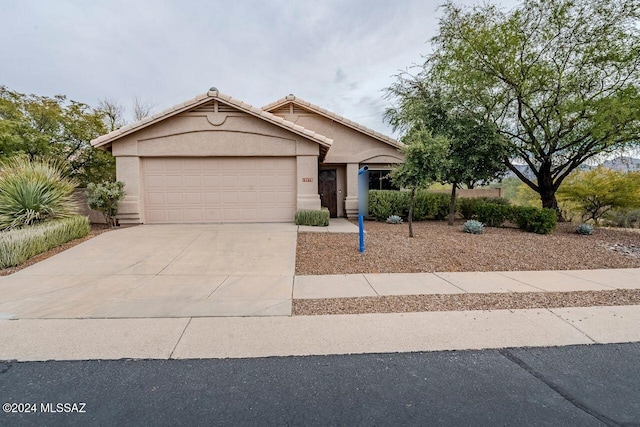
[
  {"x": 128, "y": 171},
  {"x": 351, "y": 201},
  {"x": 307, "y": 183}
]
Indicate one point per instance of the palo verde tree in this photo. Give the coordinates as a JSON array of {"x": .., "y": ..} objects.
[
  {"x": 600, "y": 190},
  {"x": 559, "y": 79},
  {"x": 425, "y": 159},
  {"x": 475, "y": 151}
]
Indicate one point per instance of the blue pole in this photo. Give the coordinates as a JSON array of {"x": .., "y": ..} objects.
[{"x": 361, "y": 231}]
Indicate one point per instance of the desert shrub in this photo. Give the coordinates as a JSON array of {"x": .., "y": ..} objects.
[
  {"x": 535, "y": 220},
  {"x": 313, "y": 217},
  {"x": 473, "y": 227},
  {"x": 384, "y": 203},
  {"x": 34, "y": 191},
  {"x": 625, "y": 218},
  {"x": 104, "y": 198},
  {"x": 20, "y": 244},
  {"x": 584, "y": 229},
  {"x": 601, "y": 190},
  {"x": 468, "y": 206},
  {"x": 394, "y": 219},
  {"x": 493, "y": 214},
  {"x": 438, "y": 205}
]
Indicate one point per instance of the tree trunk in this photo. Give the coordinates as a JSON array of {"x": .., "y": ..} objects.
[
  {"x": 547, "y": 190},
  {"x": 410, "y": 218},
  {"x": 452, "y": 204}
]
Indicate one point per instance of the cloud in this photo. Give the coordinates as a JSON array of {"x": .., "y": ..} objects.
[{"x": 334, "y": 53}]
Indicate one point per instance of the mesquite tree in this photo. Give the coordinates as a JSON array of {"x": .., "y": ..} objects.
[
  {"x": 559, "y": 79},
  {"x": 475, "y": 151}
]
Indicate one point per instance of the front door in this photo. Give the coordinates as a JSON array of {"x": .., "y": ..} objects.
[{"x": 327, "y": 190}]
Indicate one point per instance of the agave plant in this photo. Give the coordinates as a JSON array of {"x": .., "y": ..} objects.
[
  {"x": 473, "y": 227},
  {"x": 32, "y": 191}
]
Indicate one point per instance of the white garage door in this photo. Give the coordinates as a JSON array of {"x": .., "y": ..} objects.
[{"x": 219, "y": 189}]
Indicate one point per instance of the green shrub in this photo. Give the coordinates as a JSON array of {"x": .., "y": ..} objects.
[
  {"x": 438, "y": 205},
  {"x": 535, "y": 220},
  {"x": 493, "y": 214},
  {"x": 473, "y": 227},
  {"x": 468, "y": 205},
  {"x": 385, "y": 203},
  {"x": 34, "y": 191},
  {"x": 313, "y": 217},
  {"x": 20, "y": 244},
  {"x": 104, "y": 198}
]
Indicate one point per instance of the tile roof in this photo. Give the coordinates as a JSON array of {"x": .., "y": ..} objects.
[
  {"x": 203, "y": 99},
  {"x": 333, "y": 116}
]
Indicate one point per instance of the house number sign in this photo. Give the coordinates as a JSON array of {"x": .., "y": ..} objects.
[{"x": 307, "y": 179}]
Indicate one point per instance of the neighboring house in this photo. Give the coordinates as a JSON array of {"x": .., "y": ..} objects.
[{"x": 217, "y": 159}]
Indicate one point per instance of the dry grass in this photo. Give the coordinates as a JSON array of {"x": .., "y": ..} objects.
[{"x": 439, "y": 247}]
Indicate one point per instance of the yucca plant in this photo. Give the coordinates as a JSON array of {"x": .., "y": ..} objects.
[{"x": 32, "y": 191}]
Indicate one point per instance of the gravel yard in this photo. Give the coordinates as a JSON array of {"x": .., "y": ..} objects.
[
  {"x": 438, "y": 247},
  {"x": 464, "y": 302}
]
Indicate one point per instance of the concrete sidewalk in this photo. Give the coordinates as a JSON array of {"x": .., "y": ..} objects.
[
  {"x": 185, "y": 338},
  {"x": 129, "y": 336},
  {"x": 371, "y": 285}
]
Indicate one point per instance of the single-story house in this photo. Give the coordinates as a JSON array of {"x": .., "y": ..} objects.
[{"x": 217, "y": 159}]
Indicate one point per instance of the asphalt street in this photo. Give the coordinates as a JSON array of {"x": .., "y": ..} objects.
[{"x": 567, "y": 386}]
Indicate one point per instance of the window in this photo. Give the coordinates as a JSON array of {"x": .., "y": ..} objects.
[{"x": 380, "y": 180}]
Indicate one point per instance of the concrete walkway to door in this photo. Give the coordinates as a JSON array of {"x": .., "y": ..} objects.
[{"x": 161, "y": 271}]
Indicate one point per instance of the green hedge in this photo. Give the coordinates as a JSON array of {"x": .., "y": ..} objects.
[
  {"x": 493, "y": 214},
  {"x": 313, "y": 217},
  {"x": 20, "y": 244},
  {"x": 469, "y": 206},
  {"x": 491, "y": 211},
  {"x": 384, "y": 203},
  {"x": 535, "y": 220}
]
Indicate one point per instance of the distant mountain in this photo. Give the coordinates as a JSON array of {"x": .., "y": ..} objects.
[{"x": 622, "y": 163}]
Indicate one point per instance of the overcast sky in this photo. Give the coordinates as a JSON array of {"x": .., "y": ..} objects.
[{"x": 337, "y": 54}]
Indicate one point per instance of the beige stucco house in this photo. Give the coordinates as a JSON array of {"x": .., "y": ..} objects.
[{"x": 216, "y": 159}]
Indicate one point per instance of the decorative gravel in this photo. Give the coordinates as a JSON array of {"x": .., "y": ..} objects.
[
  {"x": 438, "y": 247},
  {"x": 464, "y": 302}
]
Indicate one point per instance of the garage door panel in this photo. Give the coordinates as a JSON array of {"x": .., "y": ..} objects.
[
  {"x": 193, "y": 199},
  {"x": 155, "y": 181},
  {"x": 175, "y": 215},
  {"x": 172, "y": 165},
  {"x": 211, "y": 198},
  {"x": 194, "y": 215},
  {"x": 173, "y": 199},
  {"x": 219, "y": 189},
  {"x": 211, "y": 181},
  {"x": 155, "y": 198},
  {"x": 154, "y": 215},
  {"x": 172, "y": 181},
  {"x": 193, "y": 181}
]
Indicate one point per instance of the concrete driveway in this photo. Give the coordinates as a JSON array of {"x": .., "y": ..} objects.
[{"x": 161, "y": 271}]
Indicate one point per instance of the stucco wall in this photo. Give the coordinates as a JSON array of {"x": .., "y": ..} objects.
[
  {"x": 210, "y": 134},
  {"x": 349, "y": 145}
]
